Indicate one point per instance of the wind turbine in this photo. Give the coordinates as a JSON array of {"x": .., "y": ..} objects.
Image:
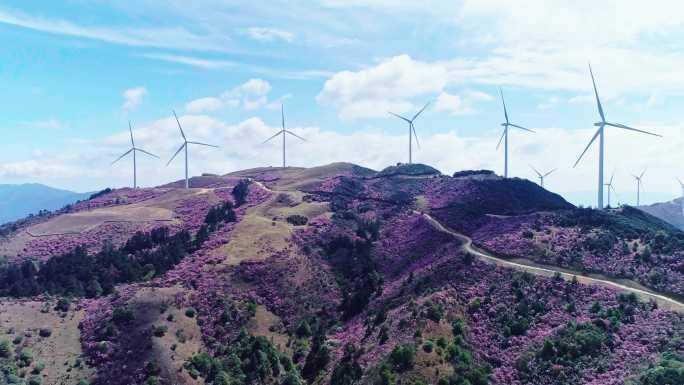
[
  {"x": 610, "y": 187},
  {"x": 639, "y": 181},
  {"x": 542, "y": 176},
  {"x": 504, "y": 135},
  {"x": 133, "y": 150},
  {"x": 283, "y": 131},
  {"x": 184, "y": 146},
  {"x": 412, "y": 129},
  {"x": 600, "y": 134},
  {"x": 682, "y": 200}
]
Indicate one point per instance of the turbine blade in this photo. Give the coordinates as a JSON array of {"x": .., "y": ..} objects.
[
  {"x": 550, "y": 172},
  {"x": 282, "y": 114},
  {"x": 421, "y": 111},
  {"x": 204, "y": 144},
  {"x": 415, "y": 135},
  {"x": 275, "y": 135},
  {"x": 680, "y": 182},
  {"x": 130, "y": 129},
  {"x": 520, "y": 127},
  {"x": 146, "y": 152},
  {"x": 399, "y": 116},
  {"x": 179, "y": 126},
  {"x": 535, "y": 170},
  {"x": 618, "y": 125},
  {"x": 125, "y": 153},
  {"x": 174, "y": 155},
  {"x": 501, "y": 139},
  {"x": 504, "y": 104},
  {"x": 588, "y": 145},
  {"x": 611, "y": 178},
  {"x": 642, "y": 174},
  {"x": 295, "y": 135},
  {"x": 598, "y": 101}
]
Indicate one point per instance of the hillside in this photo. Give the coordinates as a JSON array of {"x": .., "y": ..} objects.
[
  {"x": 18, "y": 201},
  {"x": 329, "y": 275},
  {"x": 670, "y": 212}
]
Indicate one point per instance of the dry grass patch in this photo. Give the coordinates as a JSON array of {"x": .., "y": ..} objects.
[
  {"x": 264, "y": 323},
  {"x": 60, "y": 352},
  {"x": 181, "y": 338}
]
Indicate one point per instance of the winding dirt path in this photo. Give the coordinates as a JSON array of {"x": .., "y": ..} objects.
[{"x": 662, "y": 300}]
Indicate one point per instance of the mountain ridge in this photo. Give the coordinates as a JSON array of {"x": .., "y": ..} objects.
[{"x": 336, "y": 275}]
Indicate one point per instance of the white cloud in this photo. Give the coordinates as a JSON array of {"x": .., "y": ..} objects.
[
  {"x": 461, "y": 105},
  {"x": 255, "y": 87},
  {"x": 452, "y": 104},
  {"x": 204, "y": 105},
  {"x": 264, "y": 34},
  {"x": 133, "y": 97},
  {"x": 169, "y": 37},
  {"x": 251, "y": 95},
  {"x": 49, "y": 124},
  {"x": 627, "y": 152},
  {"x": 190, "y": 60},
  {"x": 391, "y": 83}
]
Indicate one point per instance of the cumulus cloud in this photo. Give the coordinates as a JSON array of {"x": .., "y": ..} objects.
[
  {"x": 89, "y": 167},
  {"x": 133, "y": 97},
  {"x": 391, "y": 83},
  {"x": 250, "y": 95},
  {"x": 460, "y": 105}
]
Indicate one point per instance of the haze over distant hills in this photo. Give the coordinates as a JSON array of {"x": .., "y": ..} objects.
[
  {"x": 20, "y": 200},
  {"x": 670, "y": 212}
]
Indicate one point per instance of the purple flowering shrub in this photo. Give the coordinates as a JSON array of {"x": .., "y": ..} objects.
[{"x": 650, "y": 256}]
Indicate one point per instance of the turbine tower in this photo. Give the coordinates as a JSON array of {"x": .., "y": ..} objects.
[
  {"x": 412, "y": 129},
  {"x": 133, "y": 150},
  {"x": 283, "y": 132},
  {"x": 184, "y": 146},
  {"x": 682, "y": 200},
  {"x": 609, "y": 187},
  {"x": 542, "y": 176},
  {"x": 639, "y": 179},
  {"x": 600, "y": 134},
  {"x": 504, "y": 135}
]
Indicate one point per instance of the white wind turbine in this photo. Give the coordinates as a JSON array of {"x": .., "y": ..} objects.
[
  {"x": 639, "y": 180},
  {"x": 283, "y": 132},
  {"x": 682, "y": 200},
  {"x": 542, "y": 176},
  {"x": 133, "y": 150},
  {"x": 609, "y": 187},
  {"x": 184, "y": 146},
  {"x": 504, "y": 135},
  {"x": 412, "y": 129},
  {"x": 600, "y": 134}
]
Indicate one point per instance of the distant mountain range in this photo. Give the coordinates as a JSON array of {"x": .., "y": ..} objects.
[
  {"x": 670, "y": 212},
  {"x": 20, "y": 200}
]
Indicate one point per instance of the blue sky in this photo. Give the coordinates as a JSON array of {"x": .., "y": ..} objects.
[{"x": 74, "y": 72}]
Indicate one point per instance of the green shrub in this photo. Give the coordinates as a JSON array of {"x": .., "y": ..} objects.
[
  {"x": 122, "y": 315},
  {"x": 190, "y": 312},
  {"x": 5, "y": 349},
  {"x": 160, "y": 330},
  {"x": 45, "y": 332},
  {"x": 403, "y": 357},
  {"x": 297, "y": 220}
]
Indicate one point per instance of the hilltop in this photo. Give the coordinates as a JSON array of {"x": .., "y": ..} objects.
[{"x": 340, "y": 275}]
